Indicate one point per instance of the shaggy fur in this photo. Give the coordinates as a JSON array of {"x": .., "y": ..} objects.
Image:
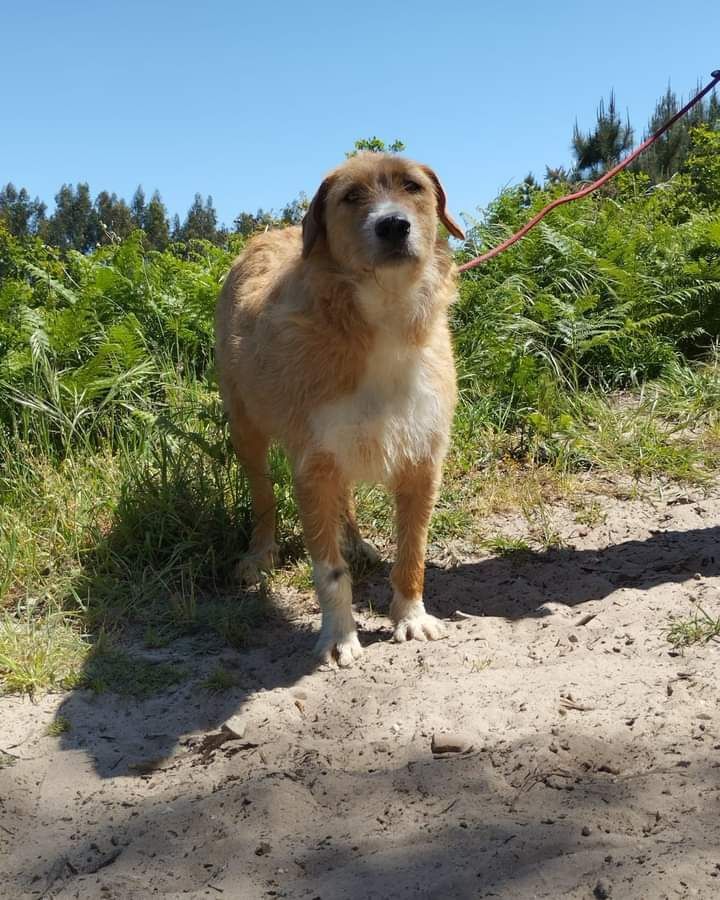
[{"x": 333, "y": 339}]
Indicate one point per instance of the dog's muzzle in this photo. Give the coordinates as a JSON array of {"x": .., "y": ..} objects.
[{"x": 393, "y": 230}]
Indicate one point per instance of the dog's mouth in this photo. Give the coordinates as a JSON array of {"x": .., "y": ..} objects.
[{"x": 393, "y": 256}]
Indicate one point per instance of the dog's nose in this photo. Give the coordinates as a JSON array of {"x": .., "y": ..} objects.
[{"x": 392, "y": 228}]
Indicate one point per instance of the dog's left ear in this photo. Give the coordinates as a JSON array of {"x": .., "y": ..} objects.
[
  {"x": 313, "y": 223},
  {"x": 441, "y": 201}
]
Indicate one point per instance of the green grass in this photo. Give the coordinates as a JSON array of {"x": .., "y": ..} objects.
[
  {"x": 700, "y": 628},
  {"x": 588, "y": 512},
  {"x": 6, "y": 760},
  {"x": 59, "y": 725},
  {"x": 220, "y": 680},
  {"x": 502, "y": 545},
  {"x": 128, "y": 674},
  {"x": 40, "y": 652}
]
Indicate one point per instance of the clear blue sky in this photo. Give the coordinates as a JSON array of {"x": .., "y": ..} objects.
[{"x": 253, "y": 102}]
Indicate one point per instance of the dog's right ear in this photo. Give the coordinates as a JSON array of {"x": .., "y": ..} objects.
[{"x": 313, "y": 223}]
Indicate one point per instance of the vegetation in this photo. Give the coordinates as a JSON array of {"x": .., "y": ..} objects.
[
  {"x": 700, "y": 628},
  {"x": 220, "y": 680},
  {"x": 592, "y": 343}
]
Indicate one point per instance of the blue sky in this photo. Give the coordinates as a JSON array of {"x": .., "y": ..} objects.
[{"x": 253, "y": 102}]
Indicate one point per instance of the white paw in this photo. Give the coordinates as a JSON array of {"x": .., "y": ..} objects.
[
  {"x": 422, "y": 627},
  {"x": 343, "y": 649},
  {"x": 253, "y": 567}
]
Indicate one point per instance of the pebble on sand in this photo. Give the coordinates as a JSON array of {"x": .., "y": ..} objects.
[{"x": 451, "y": 742}]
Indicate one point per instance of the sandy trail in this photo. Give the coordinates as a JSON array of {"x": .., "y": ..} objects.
[{"x": 594, "y": 768}]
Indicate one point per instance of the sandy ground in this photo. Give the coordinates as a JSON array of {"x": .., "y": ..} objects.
[{"x": 593, "y": 768}]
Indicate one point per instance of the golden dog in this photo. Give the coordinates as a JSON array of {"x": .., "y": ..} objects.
[{"x": 334, "y": 341}]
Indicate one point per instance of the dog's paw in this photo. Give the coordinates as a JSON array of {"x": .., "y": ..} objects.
[
  {"x": 412, "y": 623},
  {"x": 363, "y": 553},
  {"x": 253, "y": 568},
  {"x": 422, "y": 627},
  {"x": 368, "y": 553},
  {"x": 342, "y": 649}
]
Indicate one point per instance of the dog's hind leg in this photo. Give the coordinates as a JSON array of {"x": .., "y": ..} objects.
[
  {"x": 322, "y": 499},
  {"x": 415, "y": 490},
  {"x": 361, "y": 553},
  {"x": 251, "y": 446}
]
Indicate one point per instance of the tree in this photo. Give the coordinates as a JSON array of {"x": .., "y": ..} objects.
[
  {"x": 528, "y": 187},
  {"x": 137, "y": 205},
  {"x": 201, "y": 221},
  {"x": 21, "y": 215},
  {"x": 557, "y": 176},
  {"x": 156, "y": 223},
  {"x": 713, "y": 116},
  {"x": 375, "y": 145},
  {"x": 114, "y": 217},
  {"x": 703, "y": 165},
  {"x": 603, "y": 147},
  {"x": 294, "y": 212},
  {"x": 75, "y": 222},
  {"x": 246, "y": 223}
]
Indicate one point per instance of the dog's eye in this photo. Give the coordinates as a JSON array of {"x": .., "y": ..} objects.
[
  {"x": 352, "y": 196},
  {"x": 412, "y": 187}
]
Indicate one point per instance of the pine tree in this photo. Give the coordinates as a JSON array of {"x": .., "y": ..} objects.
[
  {"x": 156, "y": 223},
  {"x": 201, "y": 221},
  {"x": 713, "y": 114},
  {"x": 114, "y": 216},
  {"x": 75, "y": 223},
  {"x": 666, "y": 155},
  {"x": 137, "y": 206},
  {"x": 176, "y": 231},
  {"x": 603, "y": 147},
  {"x": 557, "y": 176},
  {"x": 21, "y": 215}
]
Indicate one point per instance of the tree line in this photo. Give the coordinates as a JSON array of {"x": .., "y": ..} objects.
[{"x": 83, "y": 223}]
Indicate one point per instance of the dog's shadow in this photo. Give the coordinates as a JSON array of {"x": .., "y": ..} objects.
[{"x": 519, "y": 585}]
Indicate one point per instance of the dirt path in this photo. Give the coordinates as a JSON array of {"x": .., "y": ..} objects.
[{"x": 593, "y": 770}]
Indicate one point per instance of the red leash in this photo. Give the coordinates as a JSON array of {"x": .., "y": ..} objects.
[{"x": 611, "y": 173}]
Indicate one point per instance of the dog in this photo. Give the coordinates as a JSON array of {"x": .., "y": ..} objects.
[{"x": 333, "y": 339}]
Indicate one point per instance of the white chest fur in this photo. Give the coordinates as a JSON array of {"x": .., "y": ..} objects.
[{"x": 393, "y": 417}]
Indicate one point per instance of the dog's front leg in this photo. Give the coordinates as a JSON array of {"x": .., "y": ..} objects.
[
  {"x": 321, "y": 494},
  {"x": 415, "y": 490}
]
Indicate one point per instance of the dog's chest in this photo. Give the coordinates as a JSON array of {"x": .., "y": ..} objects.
[{"x": 393, "y": 417}]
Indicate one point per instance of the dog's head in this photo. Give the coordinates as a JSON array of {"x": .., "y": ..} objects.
[{"x": 378, "y": 210}]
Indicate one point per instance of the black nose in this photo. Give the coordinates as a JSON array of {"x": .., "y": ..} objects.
[{"x": 392, "y": 228}]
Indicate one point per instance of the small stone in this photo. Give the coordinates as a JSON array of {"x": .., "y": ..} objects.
[
  {"x": 262, "y": 849},
  {"x": 236, "y": 727},
  {"x": 573, "y": 638},
  {"x": 602, "y": 890},
  {"x": 585, "y": 830},
  {"x": 456, "y": 742}
]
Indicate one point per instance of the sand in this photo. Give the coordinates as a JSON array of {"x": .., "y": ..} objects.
[{"x": 585, "y": 758}]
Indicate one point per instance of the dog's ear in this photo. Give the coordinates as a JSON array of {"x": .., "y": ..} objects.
[
  {"x": 441, "y": 202},
  {"x": 313, "y": 223}
]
